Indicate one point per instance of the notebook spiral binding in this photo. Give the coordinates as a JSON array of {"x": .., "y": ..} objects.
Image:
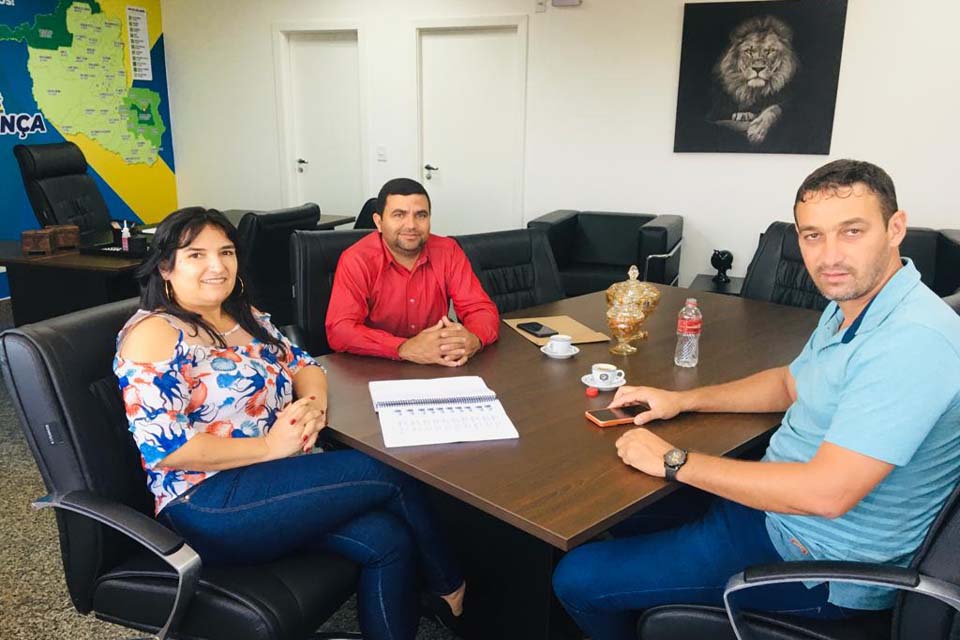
[{"x": 388, "y": 404}]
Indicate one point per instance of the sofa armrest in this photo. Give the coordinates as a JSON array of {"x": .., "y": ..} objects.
[
  {"x": 658, "y": 248},
  {"x": 166, "y": 544},
  {"x": 947, "y": 276},
  {"x": 561, "y": 228}
]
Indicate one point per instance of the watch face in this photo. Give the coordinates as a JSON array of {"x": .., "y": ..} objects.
[{"x": 674, "y": 457}]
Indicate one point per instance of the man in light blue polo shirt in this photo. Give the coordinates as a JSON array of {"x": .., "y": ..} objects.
[{"x": 868, "y": 451}]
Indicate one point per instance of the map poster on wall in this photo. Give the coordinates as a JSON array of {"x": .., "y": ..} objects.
[{"x": 91, "y": 72}]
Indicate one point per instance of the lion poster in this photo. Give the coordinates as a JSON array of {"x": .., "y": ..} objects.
[{"x": 759, "y": 77}]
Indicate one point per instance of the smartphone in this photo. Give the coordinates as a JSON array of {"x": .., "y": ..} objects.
[
  {"x": 613, "y": 417},
  {"x": 537, "y": 329}
]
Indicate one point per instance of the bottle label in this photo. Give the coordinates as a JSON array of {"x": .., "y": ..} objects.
[{"x": 689, "y": 326}]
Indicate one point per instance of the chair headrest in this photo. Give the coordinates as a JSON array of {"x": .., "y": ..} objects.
[{"x": 38, "y": 161}]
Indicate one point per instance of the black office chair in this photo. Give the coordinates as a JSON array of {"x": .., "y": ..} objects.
[
  {"x": 119, "y": 562},
  {"x": 365, "y": 217},
  {"x": 594, "y": 249},
  {"x": 516, "y": 268},
  {"x": 926, "y": 607},
  {"x": 59, "y": 188},
  {"x": 313, "y": 260},
  {"x": 777, "y": 274},
  {"x": 265, "y": 246}
]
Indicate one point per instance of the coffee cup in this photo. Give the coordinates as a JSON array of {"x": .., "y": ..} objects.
[
  {"x": 606, "y": 374},
  {"x": 560, "y": 344}
]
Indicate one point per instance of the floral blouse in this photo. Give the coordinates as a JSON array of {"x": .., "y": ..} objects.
[{"x": 232, "y": 392}]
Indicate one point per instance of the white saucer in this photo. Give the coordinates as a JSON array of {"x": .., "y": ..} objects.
[
  {"x": 574, "y": 350},
  {"x": 590, "y": 382}
]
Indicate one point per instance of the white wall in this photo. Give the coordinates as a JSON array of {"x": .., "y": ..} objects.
[{"x": 601, "y": 100}]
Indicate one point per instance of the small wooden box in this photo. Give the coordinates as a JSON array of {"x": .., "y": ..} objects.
[
  {"x": 65, "y": 236},
  {"x": 38, "y": 241}
]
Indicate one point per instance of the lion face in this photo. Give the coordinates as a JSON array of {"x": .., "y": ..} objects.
[{"x": 759, "y": 61}]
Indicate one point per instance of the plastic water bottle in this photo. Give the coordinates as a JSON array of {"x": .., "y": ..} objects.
[
  {"x": 689, "y": 323},
  {"x": 125, "y": 237}
]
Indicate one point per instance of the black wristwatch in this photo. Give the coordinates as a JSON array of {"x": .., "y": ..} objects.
[{"x": 672, "y": 461}]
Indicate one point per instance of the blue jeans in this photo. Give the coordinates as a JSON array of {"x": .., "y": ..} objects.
[
  {"x": 340, "y": 501},
  {"x": 604, "y": 585}
]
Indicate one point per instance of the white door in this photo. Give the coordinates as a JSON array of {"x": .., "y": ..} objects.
[
  {"x": 471, "y": 117},
  {"x": 325, "y": 87}
]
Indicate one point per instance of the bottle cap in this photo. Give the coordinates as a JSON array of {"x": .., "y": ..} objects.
[{"x": 692, "y": 302}]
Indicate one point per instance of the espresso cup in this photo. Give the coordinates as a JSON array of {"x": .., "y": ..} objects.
[
  {"x": 560, "y": 344},
  {"x": 606, "y": 373}
]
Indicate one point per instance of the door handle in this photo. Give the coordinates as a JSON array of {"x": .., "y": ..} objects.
[
  {"x": 430, "y": 169},
  {"x": 300, "y": 163}
]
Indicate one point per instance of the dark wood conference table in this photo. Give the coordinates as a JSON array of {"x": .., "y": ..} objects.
[{"x": 561, "y": 483}]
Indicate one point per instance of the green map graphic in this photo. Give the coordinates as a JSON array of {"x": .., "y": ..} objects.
[{"x": 76, "y": 61}]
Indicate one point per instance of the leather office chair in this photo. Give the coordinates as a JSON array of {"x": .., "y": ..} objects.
[
  {"x": 516, "y": 268},
  {"x": 594, "y": 249},
  {"x": 365, "y": 217},
  {"x": 926, "y": 607},
  {"x": 776, "y": 272},
  {"x": 119, "y": 562},
  {"x": 59, "y": 188},
  {"x": 313, "y": 260},
  {"x": 265, "y": 245}
]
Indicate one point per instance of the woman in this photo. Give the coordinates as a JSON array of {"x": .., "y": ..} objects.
[{"x": 209, "y": 386}]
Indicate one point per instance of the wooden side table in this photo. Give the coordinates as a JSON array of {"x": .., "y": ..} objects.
[{"x": 704, "y": 282}]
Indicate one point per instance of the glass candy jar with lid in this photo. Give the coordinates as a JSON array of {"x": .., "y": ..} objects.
[
  {"x": 630, "y": 303},
  {"x": 634, "y": 291}
]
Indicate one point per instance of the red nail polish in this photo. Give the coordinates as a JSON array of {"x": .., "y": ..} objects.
[
  {"x": 313, "y": 397},
  {"x": 293, "y": 422}
]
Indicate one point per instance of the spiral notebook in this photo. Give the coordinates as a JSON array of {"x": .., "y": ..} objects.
[{"x": 439, "y": 410}]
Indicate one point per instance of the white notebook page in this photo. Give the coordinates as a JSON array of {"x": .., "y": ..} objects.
[{"x": 442, "y": 410}]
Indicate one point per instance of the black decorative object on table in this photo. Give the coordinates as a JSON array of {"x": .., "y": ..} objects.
[{"x": 721, "y": 260}]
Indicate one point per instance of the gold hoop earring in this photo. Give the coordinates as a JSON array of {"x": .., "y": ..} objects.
[{"x": 168, "y": 289}]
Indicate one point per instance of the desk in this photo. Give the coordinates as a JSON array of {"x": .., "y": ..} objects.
[
  {"x": 42, "y": 287},
  {"x": 561, "y": 483},
  {"x": 325, "y": 223}
]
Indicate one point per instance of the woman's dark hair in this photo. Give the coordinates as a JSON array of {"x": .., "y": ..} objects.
[{"x": 177, "y": 231}]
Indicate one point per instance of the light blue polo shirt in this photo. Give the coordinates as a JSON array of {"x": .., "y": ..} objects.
[{"x": 888, "y": 386}]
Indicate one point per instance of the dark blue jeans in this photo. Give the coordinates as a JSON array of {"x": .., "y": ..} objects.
[
  {"x": 341, "y": 501},
  {"x": 604, "y": 585}
]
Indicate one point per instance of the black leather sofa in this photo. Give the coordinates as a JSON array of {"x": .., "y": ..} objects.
[
  {"x": 776, "y": 272},
  {"x": 594, "y": 249}
]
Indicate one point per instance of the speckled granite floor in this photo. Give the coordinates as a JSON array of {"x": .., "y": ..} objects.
[{"x": 34, "y": 604}]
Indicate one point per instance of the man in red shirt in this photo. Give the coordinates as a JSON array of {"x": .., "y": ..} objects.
[{"x": 392, "y": 289}]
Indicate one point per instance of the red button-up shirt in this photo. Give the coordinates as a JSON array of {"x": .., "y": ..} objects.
[{"x": 377, "y": 303}]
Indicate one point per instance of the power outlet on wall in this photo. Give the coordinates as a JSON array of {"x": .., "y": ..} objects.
[{"x": 540, "y": 5}]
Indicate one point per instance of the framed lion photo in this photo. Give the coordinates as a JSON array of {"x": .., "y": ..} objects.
[{"x": 759, "y": 77}]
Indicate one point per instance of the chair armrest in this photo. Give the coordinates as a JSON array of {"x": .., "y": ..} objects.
[
  {"x": 881, "y": 575},
  {"x": 889, "y": 575},
  {"x": 658, "y": 248},
  {"x": 561, "y": 228},
  {"x": 169, "y": 546}
]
